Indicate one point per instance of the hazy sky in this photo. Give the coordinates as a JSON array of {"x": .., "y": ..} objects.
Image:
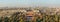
[{"x": 26, "y": 3}]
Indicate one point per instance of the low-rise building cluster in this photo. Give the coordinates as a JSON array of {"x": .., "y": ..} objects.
[{"x": 30, "y": 15}]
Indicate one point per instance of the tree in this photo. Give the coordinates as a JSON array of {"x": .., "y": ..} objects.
[
  {"x": 38, "y": 19},
  {"x": 6, "y": 19}
]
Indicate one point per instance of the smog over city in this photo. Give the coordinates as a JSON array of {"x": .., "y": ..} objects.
[
  {"x": 29, "y": 10},
  {"x": 29, "y": 3}
]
